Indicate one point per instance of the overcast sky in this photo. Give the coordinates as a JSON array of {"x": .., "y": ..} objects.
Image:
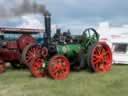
[
  {"x": 76, "y": 14},
  {"x": 88, "y": 11}
]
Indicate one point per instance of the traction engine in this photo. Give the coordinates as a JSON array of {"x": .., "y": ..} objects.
[
  {"x": 58, "y": 54},
  {"x": 64, "y": 52},
  {"x": 12, "y": 43}
]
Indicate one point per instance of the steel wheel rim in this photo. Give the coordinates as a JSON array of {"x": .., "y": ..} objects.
[
  {"x": 36, "y": 68},
  {"x": 59, "y": 67},
  {"x": 101, "y": 58}
]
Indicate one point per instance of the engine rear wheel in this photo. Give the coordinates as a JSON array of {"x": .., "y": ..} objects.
[
  {"x": 99, "y": 57},
  {"x": 59, "y": 67}
]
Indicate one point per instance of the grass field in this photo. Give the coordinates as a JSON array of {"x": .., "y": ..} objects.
[{"x": 84, "y": 83}]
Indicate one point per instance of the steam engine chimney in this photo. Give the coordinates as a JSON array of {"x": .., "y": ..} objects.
[{"x": 47, "y": 34}]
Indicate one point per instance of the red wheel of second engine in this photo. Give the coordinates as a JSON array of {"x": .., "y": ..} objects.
[
  {"x": 36, "y": 68},
  {"x": 2, "y": 67},
  {"x": 59, "y": 67},
  {"x": 101, "y": 58}
]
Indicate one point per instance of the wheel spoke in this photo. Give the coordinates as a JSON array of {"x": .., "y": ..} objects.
[{"x": 55, "y": 71}]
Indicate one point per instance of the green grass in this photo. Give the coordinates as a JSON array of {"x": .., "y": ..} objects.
[{"x": 84, "y": 83}]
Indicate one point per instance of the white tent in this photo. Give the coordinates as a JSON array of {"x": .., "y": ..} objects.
[{"x": 117, "y": 39}]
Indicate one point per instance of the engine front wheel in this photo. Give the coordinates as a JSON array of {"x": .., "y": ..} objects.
[
  {"x": 37, "y": 68},
  {"x": 59, "y": 67}
]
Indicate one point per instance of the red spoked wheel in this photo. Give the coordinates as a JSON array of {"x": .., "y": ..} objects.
[
  {"x": 59, "y": 67},
  {"x": 100, "y": 57},
  {"x": 31, "y": 52},
  {"x": 37, "y": 68},
  {"x": 2, "y": 67},
  {"x": 44, "y": 52}
]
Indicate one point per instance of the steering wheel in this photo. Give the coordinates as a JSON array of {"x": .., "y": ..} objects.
[{"x": 91, "y": 34}]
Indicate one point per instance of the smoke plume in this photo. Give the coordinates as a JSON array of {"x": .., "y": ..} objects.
[{"x": 14, "y": 8}]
